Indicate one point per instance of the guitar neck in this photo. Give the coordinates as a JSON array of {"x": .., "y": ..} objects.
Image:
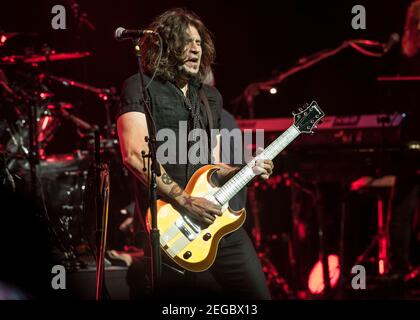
[{"x": 246, "y": 174}]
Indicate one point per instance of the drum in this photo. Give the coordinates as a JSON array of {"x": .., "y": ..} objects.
[
  {"x": 47, "y": 123},
  {"x": 64, "y": 180},
  {"x": 66, "y": 187},
  {"x": 62, "y": 184},
  {"x": 68, "y": 183}
]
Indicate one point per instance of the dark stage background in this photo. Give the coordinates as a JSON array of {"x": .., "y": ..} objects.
[{"x": 254, "y": 40}]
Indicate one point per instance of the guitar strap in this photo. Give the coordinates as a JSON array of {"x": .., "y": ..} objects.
[
  {"x": 210, "y": 124},
  {"x": 206, "y": 106}
]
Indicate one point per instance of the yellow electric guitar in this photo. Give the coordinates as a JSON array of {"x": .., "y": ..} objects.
[{"x": 193, "y": 247}]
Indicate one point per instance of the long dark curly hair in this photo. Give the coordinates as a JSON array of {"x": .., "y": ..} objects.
[{"x": 172, "y": 26}]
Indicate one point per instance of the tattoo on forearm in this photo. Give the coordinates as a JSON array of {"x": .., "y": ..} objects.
[
  {"x": 166, "y": 179},
  {"x": 176, "y": 191}
]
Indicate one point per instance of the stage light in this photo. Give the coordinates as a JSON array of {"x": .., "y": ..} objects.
[
  {"x": 316, "y": 279},
  {"x": 273, "y": 90},
  {"x": 45, "y": 122}
]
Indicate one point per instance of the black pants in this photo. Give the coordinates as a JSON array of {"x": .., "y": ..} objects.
[
  {"x": 235, "y": 274},
  {"x": 238, "y": 270}
]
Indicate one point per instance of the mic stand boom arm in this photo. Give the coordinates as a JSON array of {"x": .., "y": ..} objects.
[{"x": 254, "y": 88}]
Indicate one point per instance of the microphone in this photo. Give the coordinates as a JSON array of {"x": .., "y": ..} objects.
[
  {"x": 123, "y": 34},
  {"x": 394, "y": 38}
]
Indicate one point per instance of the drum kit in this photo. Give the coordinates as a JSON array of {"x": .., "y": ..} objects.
[{"x": 31, "y": 114}]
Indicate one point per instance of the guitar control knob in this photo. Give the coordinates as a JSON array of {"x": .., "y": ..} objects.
[
  {"x": 207, "y": 236},
  {"x": 187, "y": 255}
]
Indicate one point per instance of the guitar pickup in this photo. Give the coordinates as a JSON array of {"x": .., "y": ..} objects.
[
  {"x": 189, "y": 234},
  {"x": 192, "y": 225}
]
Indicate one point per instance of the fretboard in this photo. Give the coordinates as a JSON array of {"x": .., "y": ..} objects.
[{"x": 246, "y": 174}]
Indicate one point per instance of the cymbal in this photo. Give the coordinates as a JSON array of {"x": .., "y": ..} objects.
[
  {"x": 55, "y": 57},
  {"x": 6, "y": 36},
  {"x": 399, "y": 78},
  {"x": 38, "y": 58},
  {"x": 13, "y": 59}
]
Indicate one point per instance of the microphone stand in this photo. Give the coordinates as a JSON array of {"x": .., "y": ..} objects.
[
  {"x": 102, "y": 190},
  {"x": 33, "y": 148},
  {"x": 153, "y": 172}
]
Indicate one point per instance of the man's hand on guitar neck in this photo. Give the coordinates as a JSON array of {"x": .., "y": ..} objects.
[{"x": 263, "y": 168}]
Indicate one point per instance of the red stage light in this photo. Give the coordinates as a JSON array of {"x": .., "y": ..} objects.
[
  {"x": 316, "y": 279},
  {"x": 103, "y": 96},
  {"x": 45, "y": 123}
]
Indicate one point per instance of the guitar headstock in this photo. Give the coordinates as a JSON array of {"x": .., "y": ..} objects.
[{"x": 305, "y": 120}]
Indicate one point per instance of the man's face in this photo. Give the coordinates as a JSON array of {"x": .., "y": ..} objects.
[{"x": 192, "y": 52}]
